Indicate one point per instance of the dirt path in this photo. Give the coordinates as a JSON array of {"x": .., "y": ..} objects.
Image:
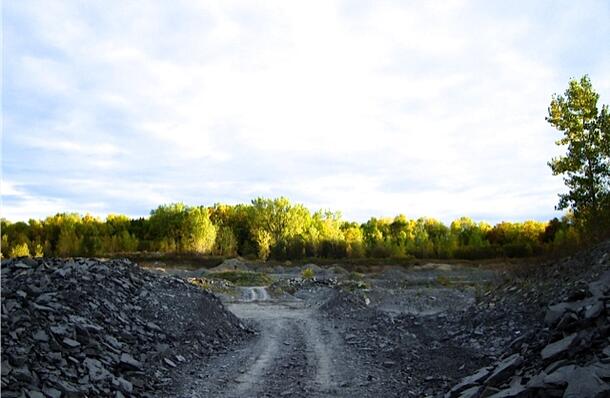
[{"x": 297, "y": 353}]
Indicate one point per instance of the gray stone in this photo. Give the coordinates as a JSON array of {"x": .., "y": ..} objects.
[
  {"x": 556, "y": 365},
  {"x": 472, "y": 392},
  {"x": 5, "y": 368},
  {"x": 68, "y": 342},
  {"x": 469, "y": 381},
  {"x": 600, "y": 286},
  {"x": 55, "y": 356},
  {"x": 537, "y": 381},
  {"x": 113, "y": 342},
  {"x": 41, "y": 336},
  {"x": 556, "y": 312},
  {"x": 513, "y": 392},
  {"x": 46, "y": 298},
  {"x": 130, "y": 362},
  {"x": 96, "y": 369},
  {"x": 67, "y": 387},
  {"x": 169, "y": 362},
  {"x": 60, "y": 330},
  {"x": 504, "y": 370},
  {"x": 601, "y": 369},
  {"x": 161, "y": 348},
  {"x": 22, "y": 374},
  {"x": 559, "y": 347},
  {"x": 560, "y": 376},
  {"x": 153, "y": 326},
  {"x": 585, "y": 383},
  {"x": 125, "y": 385},
  {"x": 594, "y": 310},
  {"x": 51, "y": 392},
  {"x": 34, "y": 394}
]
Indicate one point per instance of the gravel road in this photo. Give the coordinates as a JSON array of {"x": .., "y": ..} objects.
[{"x": 297, "y": 352}]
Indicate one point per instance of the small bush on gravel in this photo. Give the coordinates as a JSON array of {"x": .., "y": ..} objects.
[{"x": 308, "y": 273}]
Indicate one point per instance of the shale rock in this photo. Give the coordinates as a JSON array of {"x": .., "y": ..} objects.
[
  {"x": 90, "y": 327},
  {"x": 567, "y": 356}
]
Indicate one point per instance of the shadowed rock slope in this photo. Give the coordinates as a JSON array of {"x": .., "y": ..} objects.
[
  {"x": 88, "y": 327},
  {"x": 567, "y": 353}
]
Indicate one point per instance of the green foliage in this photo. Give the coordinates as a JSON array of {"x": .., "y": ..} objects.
[
  {"x": 308, "y": 273},
  {"x": 276, "y": 229},
  {"x": 226, "y": 242},
  {"x": 38, "y": 250},
  {"x": 183, "y": 229},
  {"x": 586, "y": 164},
  {"x": 4, "y": 247},
  {"x": 19, "y": 250},
  {"x": 275, "y": 221}
]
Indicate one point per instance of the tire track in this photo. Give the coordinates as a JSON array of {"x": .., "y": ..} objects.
[{"x": 297, "y": 354}]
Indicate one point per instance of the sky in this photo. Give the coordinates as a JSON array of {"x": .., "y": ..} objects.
[{"x": 373, "y": 108}]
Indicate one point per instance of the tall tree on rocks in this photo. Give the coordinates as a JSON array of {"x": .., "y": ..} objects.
[{"x": 586, "y": 165}]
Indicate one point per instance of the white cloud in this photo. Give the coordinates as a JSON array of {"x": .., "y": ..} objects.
[
  {"x": 394, "y": 107},
  {"x": 8, "y": 188}
]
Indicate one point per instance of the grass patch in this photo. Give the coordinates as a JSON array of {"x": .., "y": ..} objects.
[
  {"x": 243, "y": 278},
  {"x": 352, "y": 285},
  {"x": 444, "y": 281},
  {"x": 355, "y": 276}
]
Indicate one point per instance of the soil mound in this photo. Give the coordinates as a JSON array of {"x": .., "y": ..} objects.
[
  {"x": 343, "y": 303},
  {"x": 233, "y": 264},
  {"x": 88, "y": 327}
]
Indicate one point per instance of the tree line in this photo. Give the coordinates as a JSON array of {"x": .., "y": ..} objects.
[{"x": 281, "y": 230}]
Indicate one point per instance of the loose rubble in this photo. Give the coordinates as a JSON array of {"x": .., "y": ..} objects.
[
  {"x": 88, "y": 327},
  {"x": 566, "y": 356},
  {"x": 501, "y": 345},
  {"x": 571, "y": 360}
]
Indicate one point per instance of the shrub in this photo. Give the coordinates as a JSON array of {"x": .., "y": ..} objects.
[
  {"x": 19, "y": 250},
  {"x": 308, "y": 273}
]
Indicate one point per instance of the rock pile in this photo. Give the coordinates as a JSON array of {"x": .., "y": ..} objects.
[
  {"x": 570, "y": 357},
  {"x": 292, "y": 285},
  {"x": 344, "y": 304},
  {"x": 232, "y": 264},
  {"x": 87, "y": 327},
  {"x": 502, "y": 341}
]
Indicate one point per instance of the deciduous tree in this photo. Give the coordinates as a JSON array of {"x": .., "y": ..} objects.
[{"x": 585, "y": 167}]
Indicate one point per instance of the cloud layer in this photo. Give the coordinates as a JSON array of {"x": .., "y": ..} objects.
[{"x": 380, "y": 108}]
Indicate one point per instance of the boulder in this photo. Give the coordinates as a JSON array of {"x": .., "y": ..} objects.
[
  {"x": 559, "y": 347},
  {"x": 504, "y": 370}
]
